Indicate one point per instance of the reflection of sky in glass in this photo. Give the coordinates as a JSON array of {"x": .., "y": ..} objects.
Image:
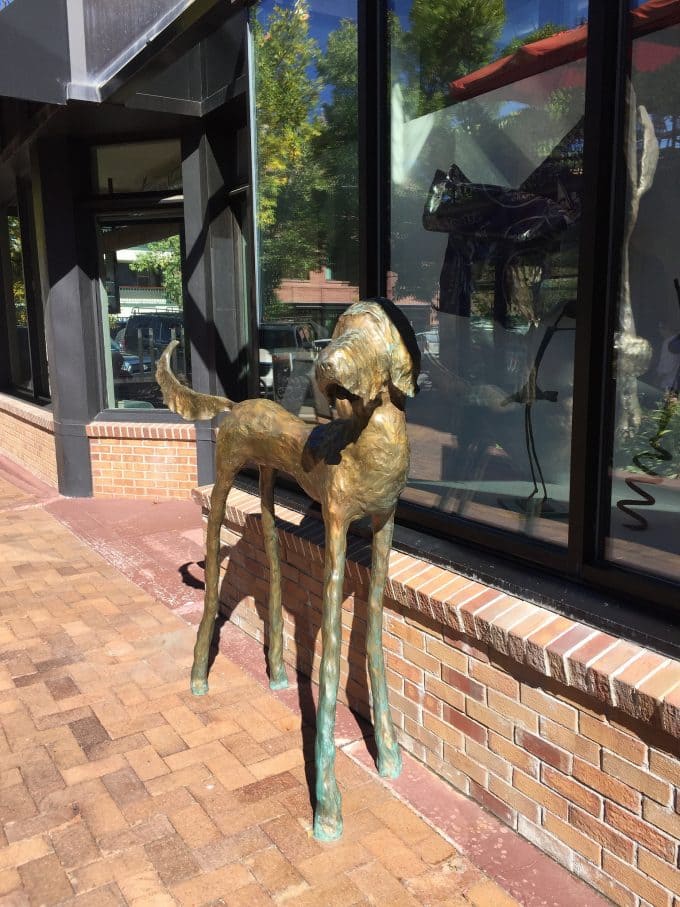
[{"x": 324, "y": 17}]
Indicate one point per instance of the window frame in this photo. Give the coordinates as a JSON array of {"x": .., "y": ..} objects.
[{"x": 39, "y": 392}]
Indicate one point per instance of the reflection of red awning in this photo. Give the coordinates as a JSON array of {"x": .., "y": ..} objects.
[{"x": 569, "y": 46}]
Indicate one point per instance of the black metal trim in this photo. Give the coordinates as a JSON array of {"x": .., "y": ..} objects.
[
  {"x": 599, "y": 268},
  {"x": 373, "y": 148}
]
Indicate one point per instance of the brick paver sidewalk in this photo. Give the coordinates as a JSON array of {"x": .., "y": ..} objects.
[{"x": 118, "y": 787}]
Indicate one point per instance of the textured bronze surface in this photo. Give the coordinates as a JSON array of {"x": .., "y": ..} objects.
[{"x": 355, "y": 466}]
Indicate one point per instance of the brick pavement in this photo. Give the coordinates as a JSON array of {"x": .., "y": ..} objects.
[{"x": 118, "y": 787}]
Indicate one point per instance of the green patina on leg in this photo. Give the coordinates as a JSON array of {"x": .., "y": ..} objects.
[
  {"x": 278, "y": 679},
  {"x": 389, "y": 755},
  {"x": 328, "y": 815},
  {"x": 199, "y": 670}
]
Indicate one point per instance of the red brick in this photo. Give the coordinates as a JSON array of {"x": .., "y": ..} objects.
[
  {"x": 638, "y": 779},
  {"x": 609, "y": 787},
  {"x": 543, "y": 750},
  {"x": 512, "y": 710},
  {"x": 548, "y": 706},
  {"x": 639, "y": 831},
  {"x": 463, "y": 683},
  {"x": 569, "y": 741},
  {"x": 447, "y": 655},
  {"x": 666, "y": 819},
  {"x": 625, "y": 745},
  {"x": 624, "y": 873},
  {"x": 514, "y": 798},
  {"x": 660, "y": 870},
  {"x": 563, "y": 645},
  {"x": 492, "y": 803},
  {"x": 541, "y": 794},
  {"x": 601, "y": 882},
  {"x": 488, "y": 717},
  {"x": 514, "y": 754},
  {"x": 602, "y": 834},
  {"x": 572, "y": 790},
  {"x": 494, "y": 678},
  {"x": 572, "y": 838},
  {"x": 464, "y": 724}
]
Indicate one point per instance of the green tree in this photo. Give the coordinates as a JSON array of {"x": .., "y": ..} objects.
[
  {"x": 17, "y": 268},
  {"x": 163, "y": 255},
  {"x": 337, "y": 153},
  {"x": 538, "y": 34},
  {"x": 287, "y": 100},
  {"x": 447, "y": 40}
]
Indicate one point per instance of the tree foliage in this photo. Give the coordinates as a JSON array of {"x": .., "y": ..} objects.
[{"x": 164, "y": 256}]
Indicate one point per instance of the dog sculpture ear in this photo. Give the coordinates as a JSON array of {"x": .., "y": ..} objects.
[{"x": 403, "y": 370}]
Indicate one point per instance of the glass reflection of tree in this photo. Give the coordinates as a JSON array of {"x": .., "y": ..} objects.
[{"x": 307, "y": 150}]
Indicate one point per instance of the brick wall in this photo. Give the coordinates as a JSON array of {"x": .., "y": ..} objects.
[
  {"x": 568, "y": 735},
  {"x": 142, "y": 460},
  {"x": 27, "y": 437}
]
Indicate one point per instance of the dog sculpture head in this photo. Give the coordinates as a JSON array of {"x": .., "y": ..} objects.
[{"x": 373, "y": 348}]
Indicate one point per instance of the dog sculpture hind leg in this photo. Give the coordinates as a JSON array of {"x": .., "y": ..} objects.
[{"x": 355, "y": 466}]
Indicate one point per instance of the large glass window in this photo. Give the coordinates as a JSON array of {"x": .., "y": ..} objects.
[
  {"x": 645, "y": 468},
  {"x": 487, "y": 114},
  {"x": 142, "y": 306},
  {"x": 305, "y": 62}
]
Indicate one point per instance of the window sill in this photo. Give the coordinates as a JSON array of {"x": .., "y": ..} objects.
[
  {"x": 32, "y": 413},
  {"x": 152, "y": 431}
]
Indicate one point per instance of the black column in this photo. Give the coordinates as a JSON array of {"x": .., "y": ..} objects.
[
  {"x": 214, "y": 311},
  {"x": 71, "y": 313}
]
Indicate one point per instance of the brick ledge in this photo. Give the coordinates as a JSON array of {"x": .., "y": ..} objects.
[
  {"x": 620, "y": 674},
  {"x": 151, "y": 431},
  {"x": 27, "y": 412}
]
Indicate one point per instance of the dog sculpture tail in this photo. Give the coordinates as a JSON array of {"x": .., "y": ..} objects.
[{"x": 188, "y": 403}]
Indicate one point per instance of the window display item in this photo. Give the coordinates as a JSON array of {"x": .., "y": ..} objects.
[{"x": 354, "y": 466}]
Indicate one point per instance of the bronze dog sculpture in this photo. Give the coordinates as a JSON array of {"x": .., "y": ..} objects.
[{"x": 354, "y": 466}]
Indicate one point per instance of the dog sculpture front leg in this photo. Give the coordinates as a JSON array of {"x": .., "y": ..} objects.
[
  {"x": 277, "y": 671},
  {"x": 328, "y": 815},
  {"x": 389, "y": 756},
  {"x": 218, "y": 500}
]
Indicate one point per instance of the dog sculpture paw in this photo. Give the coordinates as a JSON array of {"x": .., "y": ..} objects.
[
  {"x": 390, "y": 766},
  {"x": 199, "y": 687}
]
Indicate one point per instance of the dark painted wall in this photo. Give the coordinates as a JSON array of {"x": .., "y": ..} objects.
[{"x": 34, "y": 51}]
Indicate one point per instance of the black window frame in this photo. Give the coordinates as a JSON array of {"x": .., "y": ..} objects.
[
  {"x": 39, "y": 392},
  {"x": 583, "y": 561}
]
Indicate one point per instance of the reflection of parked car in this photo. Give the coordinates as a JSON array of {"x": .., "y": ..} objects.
[
  {"x": 157, "y": 330},
  {"x": 126, "y": 364},
  {"x": 293, "y": 348},
  {"x": 266, "y": 373},
  {"x": 428, "y": 341}
]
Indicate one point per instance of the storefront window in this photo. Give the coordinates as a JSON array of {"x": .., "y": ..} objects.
[
  {"x": 645, "y": 473},
  {"x": 487, "y": 114},
  {"x": 17, "y": 309},
  {"x": 305, "y": 60},
  {"x": 142, "y": 307}
]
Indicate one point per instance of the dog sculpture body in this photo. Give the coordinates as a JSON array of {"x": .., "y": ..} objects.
[{"x": 354, "y": 466}]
